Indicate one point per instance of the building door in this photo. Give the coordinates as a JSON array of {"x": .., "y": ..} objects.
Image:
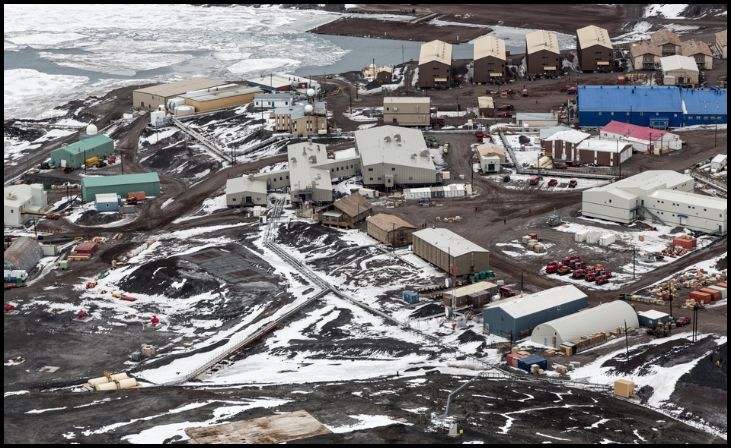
[
  {"x": 248, "y": 200},
  {"x": 683, "y": 220},
  {"x": 545, "y": 342}
]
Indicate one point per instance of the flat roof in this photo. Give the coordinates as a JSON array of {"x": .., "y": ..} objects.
[
  {"x": 540, "y": 116},
  {"x": 695, "y": 199},
  {"x": 394, "y": 145},
  {"x": 647, "y": 180},
  {"x": 593, "y": 35},
  {"x": 213, "y": 94},
  {"x": 569, "y": 135},
  {"x": 406, "y": 99},
  {"x": 677, "y": 62},
  {"x": 711, "y": 101},
  {"x": 448, "y": 241},
  {"x": 87, "y": 144},
  {"x": 470, "y": 289},
  {"x": 719, "y": 158},
  {"x": 435, "y": 50},
  {"x": 532, "y": 303},
  {"x": 106, "y": 181},
  {"x": 21, "y": 192},
  {"x": 629, "y": 98},
  {"x": 542, "y": 40},
  {"x": 177, "y": 87},
  {"x": 387, "y": 222},
  {"x": 278, "y": 80},
  {"x": 304, "y": 166},
  {"x": 246, "y": 183},
  {"x": 485, "y": 102},
  {"x": 547, "y": 132},
  {"x": 603, "y": 145},
  {"x": 106, "y": 197},
  {"x": 485, "y": 46},
  {"x": 652, "y": 314},
  {"x": 273, "y": 96}
]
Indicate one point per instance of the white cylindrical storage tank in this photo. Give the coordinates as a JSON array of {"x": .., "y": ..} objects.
[
  {"x": 161, "y": 107},
  {"x": 91, "y": 129},
  {"x": 173, "y": 103},
  {"x": 119, "y": 376},
  {"x": 309, "y": 109},
  {"x": 127, "y": 383},
  {"x": 310, "y": 92},
  {"x": 184, "y": 110},
  {"x": 96, "y": 381},
  {"x": 157, "y": 118},
  {"x": 106, "y": 386}
]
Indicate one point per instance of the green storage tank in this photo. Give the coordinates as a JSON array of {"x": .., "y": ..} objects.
[
  {"x": 121, "y": 185},
  {"x": 74, "y": 154}
]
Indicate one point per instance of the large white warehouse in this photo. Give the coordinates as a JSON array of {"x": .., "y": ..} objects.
[
  {"x": 662, "y": 194},
  {"x": 606, "y": 317}
]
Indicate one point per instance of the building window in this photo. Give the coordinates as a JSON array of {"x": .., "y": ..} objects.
[
  {"x": 393, "y": 168},
  {"x": 610, "y": 201},
  {"x": 370, "y": 169},
  {"x": 371, "y": 178}
]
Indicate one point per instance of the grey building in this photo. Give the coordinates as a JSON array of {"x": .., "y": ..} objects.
[
  {"x": 406, "y": 110},
  {"x": 444, "y": 249},
  {"x": 151, "y": 97}
]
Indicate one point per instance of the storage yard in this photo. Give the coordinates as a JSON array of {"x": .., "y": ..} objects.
[{"x": 384, "y": 255}]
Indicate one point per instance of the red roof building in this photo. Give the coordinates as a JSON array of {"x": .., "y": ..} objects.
[{"x": 642, "y": 138}]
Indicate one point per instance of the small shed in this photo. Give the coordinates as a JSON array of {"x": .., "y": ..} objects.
[
  {"x": 476, "y": 294},
  {"x": 390, "y": 229},
  {"x": 107, "y": 202},
  {"x": 347, "y": 211},
  {"x": 651, "y": 318},
  {"x": 718, "y": 163},
  {"x": 486, "y": 106},
  {"x": 528, "y": 361},
  {"x": 624, "y": 388},
  {"x": 24, "y": 254}
]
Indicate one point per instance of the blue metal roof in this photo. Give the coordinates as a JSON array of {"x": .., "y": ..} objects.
[
  {"x": 629, "y": 98},
  {"x": 704, "y": 101}
]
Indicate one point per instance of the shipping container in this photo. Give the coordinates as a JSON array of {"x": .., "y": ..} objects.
[
  {"x": 410, "y": 296},
  {"x": 700, "y": 297},
  {"x": 685, "y": 241},
  {"x": 528, "y": 361},
  {"x": 512, "y": 359},
  {"x": 721, "y": 289},
  {"x": 136, "y": 195},
  {"x": 714, "y": 293}
]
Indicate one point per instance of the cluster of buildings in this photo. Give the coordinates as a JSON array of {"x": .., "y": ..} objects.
[
  {"x": 383, "y": 74},
  {"x": 648, "y": 54},
  {"x": 385, "y": 156},
  {"x": 90, "y": 146},
  {"x": 22, "y": 202},
  {"x": 201, "y": 93},
  {"x": 579, "y": 147},
  {"x": 666, "y": 196}
]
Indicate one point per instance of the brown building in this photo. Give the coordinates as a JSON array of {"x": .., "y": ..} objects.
[
  {"x": 390, "y": 230},
  {"x": 542, "y": 53},
  {"x": 700, "y": 51},
  {"x": 301, "y": 120},
  {"x": 435, "y": 64},
  {"x": 221, "y": 97},
  {"x": 489, "y": 57},
  {"x": 445, "y": 249},
  {"x": 594, "y": 49},
  {"x": 486, "y": 106},
  {"x": 477, "y": 295},
  {"x": 347, "y": 212},
  {"x": 667, "y": 41},
  {"x": 562, "y": 145},
  {"x": 151, "y": 97},
  {"x": 406, "y": 110},
  {"x": 721, "y": 43},
  {"x": 603, "y": 152},
  {"x": 645, "y": 55}
]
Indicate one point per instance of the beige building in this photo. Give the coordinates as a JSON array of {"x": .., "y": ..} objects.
[
  {"x": 645, "y": 55},
  {"x": 700, "y": 52},
  {"x": 390, "y": 229},
  {"x": 393, "y": 155},
  {"x": 491, "y": 157},
  {"x": 486, "y": 106},
  {"x": 347, "y": 212},
  {"x": 151, "y": 97},
  {"x": 542, "y": 53},
  {"x": 246, "y": 191},
  {"x": 679, "y": 71},
  {"x": 444, "y": 249},
  {"x": 214, "y": 98},
  {"x": 721, "y": 43},
  {"x": 435, "y": 64},
  {"x": 667, "y": 41},
  {"x": 301, "y": 120},
  {"x": 406, "y": 110},
  {"x": 594, "y": 49},
  {"x": 489, "y": 57},
  {"x": 311, "y": 171}
]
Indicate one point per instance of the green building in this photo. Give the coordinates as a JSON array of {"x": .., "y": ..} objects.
[
  {"x": 75, "y": 153},
  {"x": 121, "y": 185}
]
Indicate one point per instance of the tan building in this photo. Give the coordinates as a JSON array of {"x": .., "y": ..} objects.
[
  {"x": 406, "y": 110},
  {"x": 444, "y": 248},
  {"x": 151, "y": 97},
  {"x": 594, "y": 49},
  {"x": 390, "y": 229},
  {"x": 435, "y": 64},
  {"x": 347, "y": 212},
  {"x": 222, "y": 97},
  {"x": 383, "y": 75},
  {"x": 645, "y": 55},
  {"x": 489, "y": 57},
  {"x": 492, "y": 157},
  {"x": 486, "y": 106},
  {"x": 667, "y": 41},
  {"x": 300, "y": 121},
  {"x": 679, "y": 71},
  {"x": 700, "y": 52},
  {"x": 721, "y": 43},
  {"x": 476, "y": 295},
  {"x": 542, "y": 53}
]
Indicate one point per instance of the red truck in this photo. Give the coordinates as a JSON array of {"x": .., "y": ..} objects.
[
  {"x": 552, "y": 267},
  {"x": 505, "y": 107},
  {"x": 437, "y": 122},
  {"x": 533, "y": 180},
  {"x": 573, "y": 183},
  {"x": 505, "y": 292},
  {"x": 479, "y": 135}
]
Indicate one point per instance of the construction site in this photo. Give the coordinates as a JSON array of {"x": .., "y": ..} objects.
[{"x": 270, "y": 260}]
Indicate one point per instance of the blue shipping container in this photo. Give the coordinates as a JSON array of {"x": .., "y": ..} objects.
[
  {"x": 410, "y": 296},
  {"x": 525, "y": 363}
]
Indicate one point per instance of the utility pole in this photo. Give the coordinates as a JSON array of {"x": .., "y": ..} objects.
[
  {"x": 670, "y": 291},
  {"x": 521, "y": 281},
  {"x": 715, "y": 136},
  {"x": 626, "y": 343},
  {"x": 634, "y": 263},
  {"x": 84, "y": 161},
  {"x": 403, "y": 60},
  {"x": 393, "y": 237}
]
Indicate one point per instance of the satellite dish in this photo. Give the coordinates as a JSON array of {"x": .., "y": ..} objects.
[
  {"x": 91, "y": 130},
  {"x": 310, "y": 92},
  {"x": 309, "y": 109}
]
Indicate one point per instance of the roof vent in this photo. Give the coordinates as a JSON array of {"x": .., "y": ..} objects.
[
  {"x": 397, "y": 138},
  {"x": 424, "y": 153},
  {"x": 313, "y": 159},
  {"x": 387, "y": 139}
]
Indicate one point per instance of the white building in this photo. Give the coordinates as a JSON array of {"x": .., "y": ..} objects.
[
  {"x": 679, "y": 70},
  {"x": 246, "y": 190},
  {"x": 536, "y": 119},
  {"x": 718, "y": 163},
  {"x": 311, "y": 171},
  {"x": 392, "y": 155},
  {"x": 491, "y": 157},
  {"x": 605, "y": 317},
  {"x": 273, "y": 100},
  {"x": 23, "y": 200},
  {"x": 642, "y": 139},
  {"x": 664, "y": 195}
]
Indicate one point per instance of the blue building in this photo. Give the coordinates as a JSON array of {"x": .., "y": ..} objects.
[
  {"x": 517, "y": 316},
  {"x": 107, "y": 202},
  {"x": 653, "y": 106}
]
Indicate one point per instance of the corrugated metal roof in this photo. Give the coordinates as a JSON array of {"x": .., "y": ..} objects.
[
  {"x": 106, "y": 197},
  {"x": 178, "y": 87},
  {"x": 381, "y": 145},
  {"x": 629, "y": 98},
  {"x": 489, "y": 46},
  {"x": 699, "y": 200},
  {"x": 634, "y": 131},
  {"x": 593, "y": 35},
  {"x": 448, "y": 241},
  {"x": 105, "y": 181},
  {"x": 388, "y": 222},
  {"x": 704, "y": 101},
  {"x": 605, "y": 317},
  {"x": 664, "y": 36},
  {"x": 570, "y": 135},
  {"x": 603, "y": 145},
  {"x": 678, "y": 62},
  {"x": 644, "y": 47},
  {"x": 87, "y": 144},
  {"x": 542, "y": 40},
  {"x": 436, "y": 50},
  {"x": 406, "y": 100},
  {"x": 219, "y": 94},
  {"x": 693, "y": 47},
  {"x": 470, "y": 289},
  {"x": 534, "y": 303}
]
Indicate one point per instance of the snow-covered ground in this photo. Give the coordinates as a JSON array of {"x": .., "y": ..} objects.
[
  {"x": 520, "y": 182},
  {"x": 668, "y": 11}
]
